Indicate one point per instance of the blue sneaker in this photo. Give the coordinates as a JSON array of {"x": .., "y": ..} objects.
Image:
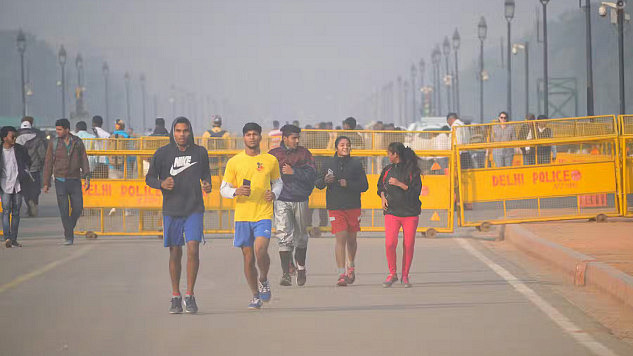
[
  {"x": 256, "y": 303},
  {"x": 264, "y": 291}
]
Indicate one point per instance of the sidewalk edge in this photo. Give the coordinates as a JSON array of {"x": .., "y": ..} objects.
[{"x": 578, "y": 267}]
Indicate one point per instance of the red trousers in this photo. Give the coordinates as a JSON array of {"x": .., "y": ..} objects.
[{"x": 392, "y": 228}]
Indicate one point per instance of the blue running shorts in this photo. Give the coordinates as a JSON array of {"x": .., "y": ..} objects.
[
  {"x": 178, "y": 229},
  {"x": 247, "y": 231}
]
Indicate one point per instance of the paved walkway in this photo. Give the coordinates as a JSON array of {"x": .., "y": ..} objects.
[
  {"x": 610, "y": 242},
  {"x": 111, "y": 296}
]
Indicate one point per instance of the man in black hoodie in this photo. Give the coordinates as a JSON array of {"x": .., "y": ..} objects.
[{"x": 177, "y": 170}]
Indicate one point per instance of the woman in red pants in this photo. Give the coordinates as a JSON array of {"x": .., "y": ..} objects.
[{"x": 399, "y": 188}]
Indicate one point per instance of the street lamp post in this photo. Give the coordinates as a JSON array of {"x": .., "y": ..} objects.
[
  {"x": 126, "y": 77},
  {"x": 400, "y": 102},
  {"x": 422, "y": 68},
  {"x": 436, "y": 56},
  {"x": 61, "y": 56},
  {"x": 509, "y": 14},
  {"x": 456, "y": 44},
  {"x": 545, "y": 69},
  {"x": 446, "y": 49},
  {"x": 618, "y": 8},
  {"x": 106, "y": 73},
  {"x": 588, "y": 48},
  {"x": 79, "y": 64},
  {"x": 482, "y": 32},
  {"x": 142, "y": 78},
  {"x": 21, "y": 42},
  {"x": 413, "y": 93},
  {"x": 406, "y": 95},
  {"x": 515, "y": 50}
]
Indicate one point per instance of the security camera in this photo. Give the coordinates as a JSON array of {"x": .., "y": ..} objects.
[{"x": 602, "y": 10}]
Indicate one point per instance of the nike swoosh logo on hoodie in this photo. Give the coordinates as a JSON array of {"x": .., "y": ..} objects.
[{"x": 175, "y": 171}]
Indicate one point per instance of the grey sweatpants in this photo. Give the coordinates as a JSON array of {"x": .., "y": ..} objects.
[{"x": 291, "y": 222}]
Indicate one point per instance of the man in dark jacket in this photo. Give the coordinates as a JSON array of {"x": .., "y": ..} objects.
[
  {"x": 14, "y": 174},
  {"x": 298, "y": 173},
  {"x": 160, "y": 129},
  {"x": 66, "y": 158},
  {"x": 177, "y": 170},
  {"x": 35, "y": 143},
  {"x": 345, "y": 180}
]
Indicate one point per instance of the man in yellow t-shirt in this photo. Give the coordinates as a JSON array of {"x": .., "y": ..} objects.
[{"x": 252, "y": 178}]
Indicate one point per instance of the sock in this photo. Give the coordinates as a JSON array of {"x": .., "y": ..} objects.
[
  {"x": 341, "y": 271},
  {"x": 351, "y": 264},
  {"x": 189, "y": 294},
  {"x": 300, "y": 257},
  {"x": 301, "y": 268},
  {"x": 176, "y": 294},
  {"x": 285, "y": 257}
]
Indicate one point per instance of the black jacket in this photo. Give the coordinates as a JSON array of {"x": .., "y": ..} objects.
[
  {"x": 36, "y": 144},
  {"x": 402, "y": 203},
  {"x": 188, "y": 168},
  {"x": 336, "y": 196},
  {"x": 24, "y": 162}
]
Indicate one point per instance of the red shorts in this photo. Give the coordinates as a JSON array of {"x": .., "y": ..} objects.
[{"x": 345, "y": 220}]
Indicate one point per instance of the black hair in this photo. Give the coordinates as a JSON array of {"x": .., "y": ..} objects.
[
  {"x": 81, "y": 126},
  {"x": 338, "y": 139},
  {"x": 63, "y": 123},
  {"x": 4, "y": 132},
  {"x": 408, "y": 158},
  {"x": 97, "y": 121},
  {"x": 542, "y": 117},
  {"x": 160, "y": 122},
  {"x": 28, "y": 118},
  {"x": 506, "y": 114},
  {"x": 452, "y": 115},
  {"x": 275, "y": 124},
  {"x": 351, "y": 122},
  {"x": 251, "y": 126},
  {"x": 288, "y": 130}
]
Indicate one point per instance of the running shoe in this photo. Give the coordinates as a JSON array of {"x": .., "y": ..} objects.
[
  {"x": 7, "y": 243},
  {"x": 391, "y": 279},
  {"x": 351, "y": 276},
  {"x": 342, "y": 280},
  {"x": 176, "y": 305},
  {"x": 190, "y": 304},
  {"x": 405, "y": 282},
  {"x": 256, "y": 303},
  {"x": 14, "y": 243},
  {"x": 264, "y": 291},
  {"x": 68, "y": 242},
  {"x": 286, "y": 280},
  {"x": 301, "y": 277}
]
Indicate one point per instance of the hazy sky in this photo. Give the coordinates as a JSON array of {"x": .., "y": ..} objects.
[{"x": 284, "y": 59}]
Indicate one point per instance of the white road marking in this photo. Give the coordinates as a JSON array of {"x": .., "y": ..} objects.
[
  {"x": 562, "y": 321},
  {"x": 27, "y": 276}
]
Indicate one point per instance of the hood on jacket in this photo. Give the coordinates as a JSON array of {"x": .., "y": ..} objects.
[{"x": 181, "y": 120}]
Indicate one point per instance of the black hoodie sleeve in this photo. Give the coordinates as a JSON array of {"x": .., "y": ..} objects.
[
  {"x": 415, "y": 187},
  {"x": 359, "y": 184},
  {"x": 152, "y": 178},
  {"x": 206, "y": 171},
  {"x": 380, "y": 187}
]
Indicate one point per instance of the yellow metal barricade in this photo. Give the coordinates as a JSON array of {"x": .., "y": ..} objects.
[
  {"x": 626, "y": 154},
  {"x": 537, "y": 170},
  {"x": 120, "y": 203}
]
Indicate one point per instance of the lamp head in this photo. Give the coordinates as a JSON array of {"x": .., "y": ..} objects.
[
  {"x": 482, "y": 28},
  {"x": 21, "y": 42},
  {"x": 446, "y": 46},
  {"x": 509, "y": 9},
  {"x": 456, "y": 40},
  {"x": 62, "y": 55}
]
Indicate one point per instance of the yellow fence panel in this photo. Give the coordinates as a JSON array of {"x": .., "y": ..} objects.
[{"x": 538, "y": 170}]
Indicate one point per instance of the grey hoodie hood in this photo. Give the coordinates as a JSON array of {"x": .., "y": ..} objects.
[{"x": 181, "y": 120}]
